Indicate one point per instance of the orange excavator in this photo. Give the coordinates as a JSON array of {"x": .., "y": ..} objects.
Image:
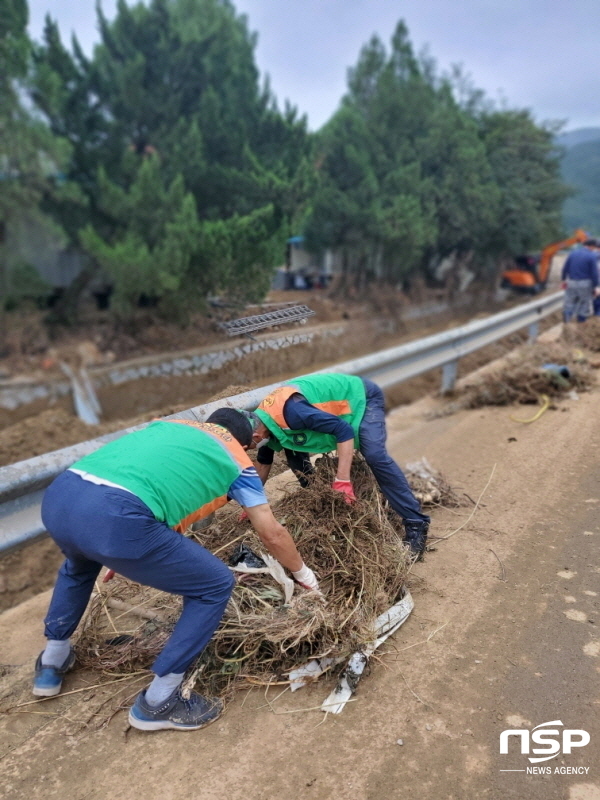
[{"x": 530, "y": 273}]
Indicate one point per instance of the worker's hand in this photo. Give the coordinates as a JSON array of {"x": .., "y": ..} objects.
[
  {"x": 345, "y": 487},
  {"x": 243, "y": 516},
  {"x": 110, "y": 574},
  {"x": 306, "y": 578},
  {"x": 563, "y": 285}
]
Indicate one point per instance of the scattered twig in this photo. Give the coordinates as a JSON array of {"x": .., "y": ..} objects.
[
  {"x": 312, "y": 708},
  {"x": 77, "y": 691},
  {"x": 424, "y": 641},
  {"x": 138, "y": 611},
  {"x": 420, "y": 699},
  {"x": 471, "y": 515},
  {"x": 503, "y": 578}
]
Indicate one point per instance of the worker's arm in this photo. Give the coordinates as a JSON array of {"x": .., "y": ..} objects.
[
  {"x": 248, "y": 491},
  {"x": 345, "y": 451},
  {"x": 275, "y": 537},
  {"x": 264, "y": 462},
  {"x": 263, "y": 472},
  {"x": 300, "y": 414}
]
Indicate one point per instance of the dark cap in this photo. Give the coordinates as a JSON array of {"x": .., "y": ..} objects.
[{"x": 236, "y": 422}]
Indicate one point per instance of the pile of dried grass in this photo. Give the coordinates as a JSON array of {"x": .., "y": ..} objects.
[
  {"x": 586, "y": 334},
  {"x": 524, "y": 379},
  {"x": 431, "y": 488},
  {"x": 355, "y": 550}
]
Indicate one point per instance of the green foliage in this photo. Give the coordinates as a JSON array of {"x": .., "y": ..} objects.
[
  {"x": 174, "y": 145},
  {"x": 24, "y": 284},
  {"x": 415, "y": 167},
  {"x": 185, "y": 179},
  {"x": 13, "y": 45},
  {"x": 29, "y": 156},
  {"x": 151, "y": 249},
  {"x": 526, "y": 167},
  {"x": 581, "y": 170}
]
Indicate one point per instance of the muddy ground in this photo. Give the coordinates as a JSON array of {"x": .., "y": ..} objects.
[{"x": 504, "y": 635}]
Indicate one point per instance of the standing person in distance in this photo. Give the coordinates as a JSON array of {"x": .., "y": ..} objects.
[{"x": 580, "y": 281}]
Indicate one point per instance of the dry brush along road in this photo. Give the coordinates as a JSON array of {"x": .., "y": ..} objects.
[{"x": 504, "y": 635}]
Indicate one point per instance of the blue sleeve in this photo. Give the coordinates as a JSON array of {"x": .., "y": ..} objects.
[
  {"x": 565, "y": 269},
  {"x": 595, "y": 273},
  {"x": 247, "y": 489},
  {"x": 300, "y": 415}
]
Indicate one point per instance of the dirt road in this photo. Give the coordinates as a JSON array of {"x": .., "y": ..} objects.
[{"x": 504, "y": 635}]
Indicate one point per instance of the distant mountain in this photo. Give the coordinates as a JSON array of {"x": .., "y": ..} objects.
[
  {"x": 578, "y": 136},
  {"x": 580, "y": 169}
]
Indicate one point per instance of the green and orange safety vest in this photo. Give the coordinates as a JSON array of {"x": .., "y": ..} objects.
[
  {"x": 181, "y": 470},
  {"x": 338, "y": 394}
]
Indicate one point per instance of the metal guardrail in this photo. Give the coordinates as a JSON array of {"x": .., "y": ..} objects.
[{"x": 22, "y": 484}]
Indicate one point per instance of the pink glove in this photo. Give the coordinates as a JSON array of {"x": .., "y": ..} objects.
[
  {"x": 306, "y": 578},
  {"x": 110, "y": 574},
  {"x": 243, "y": 516},
  {"x": 345, "y": 487}
]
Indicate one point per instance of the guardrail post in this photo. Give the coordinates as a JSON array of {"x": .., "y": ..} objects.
[
  {"x": 534, "y": 331},
  {"x": 449, "y": 372}
]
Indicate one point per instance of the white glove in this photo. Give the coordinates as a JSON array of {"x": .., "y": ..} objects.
[{"x": 306, "y": 577}]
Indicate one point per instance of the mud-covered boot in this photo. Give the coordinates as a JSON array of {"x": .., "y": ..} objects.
[{"x": 415, "y": 536}]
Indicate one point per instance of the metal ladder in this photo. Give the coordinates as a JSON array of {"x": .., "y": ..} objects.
[{"x": 247, "y": 325}]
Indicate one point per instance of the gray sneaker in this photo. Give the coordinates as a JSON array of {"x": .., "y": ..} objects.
[{"x": 176, "y": 712}]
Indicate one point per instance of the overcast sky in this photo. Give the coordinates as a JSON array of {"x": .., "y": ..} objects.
[{"x": 538, "y": 54}]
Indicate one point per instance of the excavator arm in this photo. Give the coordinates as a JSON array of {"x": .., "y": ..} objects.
[
  {"x": 533, "y": 281},
  {"x": 549, "y": 252}
]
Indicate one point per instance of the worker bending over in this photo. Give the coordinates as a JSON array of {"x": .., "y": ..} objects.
[
  {"x": 122, "y": 507},
  {"x": 331, "y": 411}
]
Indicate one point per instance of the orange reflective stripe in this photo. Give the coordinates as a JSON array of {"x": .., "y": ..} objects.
[
  {"x": 335, "y": 407},
  {"x": 236, "y": 451},
  {"x": 200, "y": 513},
  {"x": 273, "y": 403}
]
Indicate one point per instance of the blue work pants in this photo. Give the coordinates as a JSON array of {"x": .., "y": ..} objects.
[
  {"x": 372, "y": 435},
  {"x": 97, "y": 526}
]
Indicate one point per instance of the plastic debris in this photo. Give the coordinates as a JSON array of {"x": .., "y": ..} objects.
[
  {"x": 255, "y": 563},
  {"x": 386, "y": 624},
  {"x": 558, "y": 369},
  {"x": 244, "y": 556},
  {"x": 545, "y": 403},
  {"x": 310, "y": 672}
]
